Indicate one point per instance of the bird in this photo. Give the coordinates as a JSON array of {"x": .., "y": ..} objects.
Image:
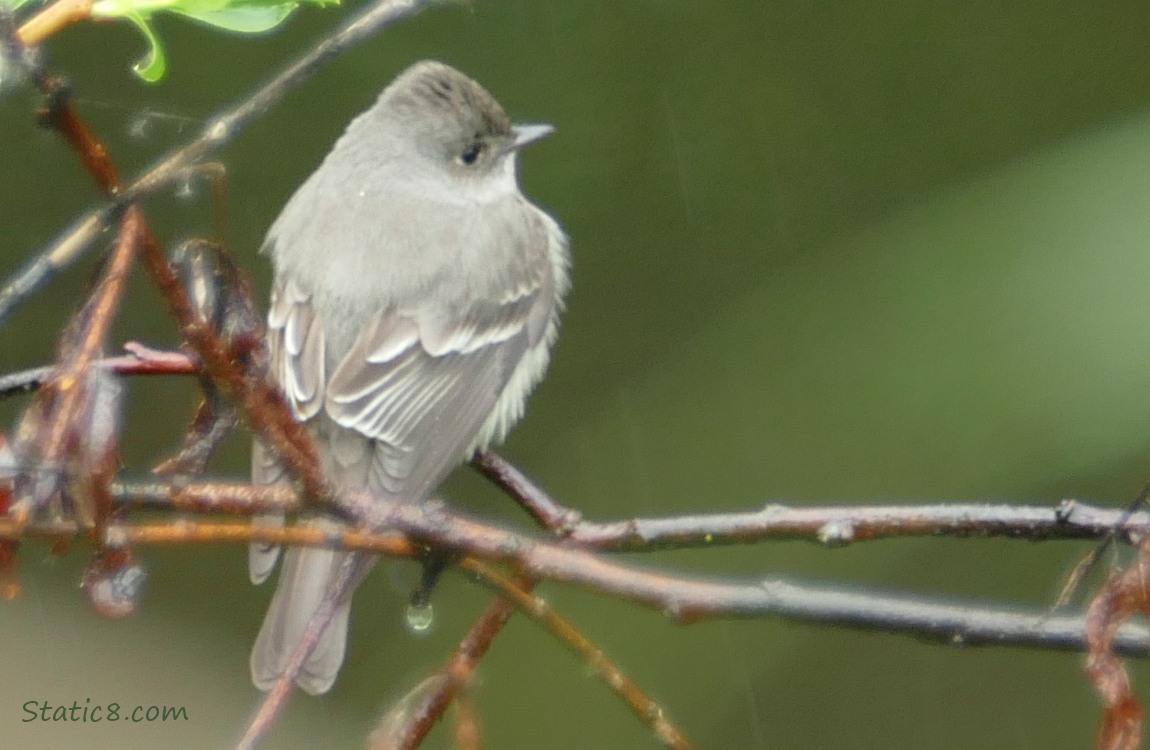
[{"x": 415, "y": 301}]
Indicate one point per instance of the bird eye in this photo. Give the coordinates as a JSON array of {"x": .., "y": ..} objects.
[{"x": 470, "y": 156}]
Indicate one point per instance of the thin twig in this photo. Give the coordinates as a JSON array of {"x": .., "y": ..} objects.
[
  {"x": 455, "y": 676},
  {"x": 840, "y": 525},
  {"x": 166, "y": 363},
  {"x": 647, "y": 710},
  {"x": 207, "y": 497},
  {"x": 60, "y": 114},
  {"x": 183, "y": 534},
  {"x": 547, "y": 512},
  {"x": 212, "y": 495},
  {"x": 457, "y": 673},
  {"x": 67, "y": 385}
]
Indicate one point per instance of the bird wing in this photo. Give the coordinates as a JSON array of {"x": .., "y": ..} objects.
[
  {"x": 421, "y": 377},
  {"x": 296, "y": 348},
  {"x": 421, "y": 382}
]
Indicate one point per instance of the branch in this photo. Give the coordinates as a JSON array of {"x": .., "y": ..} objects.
[
  {"x": 683, "y": 599},
  {"x": 646, "y": 710},
  {"x": 457, "y": 673}
]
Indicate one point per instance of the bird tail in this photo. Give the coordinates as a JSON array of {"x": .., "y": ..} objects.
[{"x": 308, "y": 575}]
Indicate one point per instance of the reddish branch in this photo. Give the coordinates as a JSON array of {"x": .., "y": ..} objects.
[
  {"x": 1125, "y": 594},
  {"x": 141, "y": 361},
  {"x": 262, "y": 405},
  {"x": 456, "y": 675},
  {"x": 60, "y": 114},
  {"x": 66, "y": 391},
  {"x": 1015, "y": 522},
  {"x": 265, "y": 410},
  {"x": 646, "y": 710},
  {"x": 556, "y": 518}
]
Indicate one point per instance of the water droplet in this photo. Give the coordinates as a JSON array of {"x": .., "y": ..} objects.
[
  {"x": 115, "y": 593},
  {"x": 420, "y": 618}
]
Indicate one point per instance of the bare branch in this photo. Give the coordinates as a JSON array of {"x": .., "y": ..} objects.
[
  {"x": 683, "y": 599},
  {"x": 456, "y": 675},
  {"x": 646, "y": 710}
]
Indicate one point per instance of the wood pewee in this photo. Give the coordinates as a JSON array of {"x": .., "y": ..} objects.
[{"x": 416, "y": 298}]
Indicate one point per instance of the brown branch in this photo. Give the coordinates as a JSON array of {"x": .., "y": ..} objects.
[
  {"x": 141, "y": 361},
  {"x": 468, "y": 735},
  {"x": 456, "y": 675},
  {"x": 67, "y": 385},
  {"x": 646, "y": 710},
  {"x": 182, "y": 534},
  {"x": 53, "y": 18},
  {"x": 547, "y": 512},
  {"x": 265, "y": 410},
  {"x": 238, "y": 498},
  {"x": 263, "y": 407},
  {"x": 430, "y": 704},
  {"x": 1123, "y": 595},
  {"x": 682, "y": 599},
  {"x": 60, "y": 115}
]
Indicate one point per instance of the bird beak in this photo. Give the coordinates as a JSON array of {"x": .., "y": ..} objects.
[{"x": 525, "y": 135}]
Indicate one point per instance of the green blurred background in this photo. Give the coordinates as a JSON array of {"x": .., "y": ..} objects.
[{"x": 840, "y": 252}]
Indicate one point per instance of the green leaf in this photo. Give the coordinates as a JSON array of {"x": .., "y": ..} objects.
[
  {"x": 153, "y": 66},
  {"x": 15, "y": 4},
  {"x": 249, "y": 20},
  {"x": 243, "y": 16}
]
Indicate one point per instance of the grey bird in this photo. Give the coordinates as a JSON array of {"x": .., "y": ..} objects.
[{"x": 416, "y": 299}]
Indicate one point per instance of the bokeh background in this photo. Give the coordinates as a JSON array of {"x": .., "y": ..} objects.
[{"x": 846, "y": 252}]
